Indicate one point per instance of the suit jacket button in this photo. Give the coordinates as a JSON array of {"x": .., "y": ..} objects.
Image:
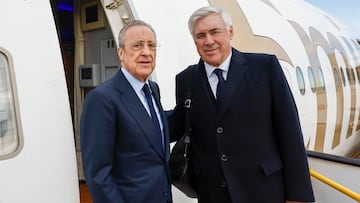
[
  {"x": 224, "y": 158},
  {"x": 219, "y": 130},
  {"x": 223, "y": 184},
  {"x": 165, "y": 192}
]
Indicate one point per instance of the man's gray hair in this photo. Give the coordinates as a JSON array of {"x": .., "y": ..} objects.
[
  {"x": 131, "y": 24},
  {"x": 208, "y": 10}
]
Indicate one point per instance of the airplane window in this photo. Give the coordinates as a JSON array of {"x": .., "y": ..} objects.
[
  {"x": 358, "y": 73},
  {"x": 350, "y": 75},
  {"x": 321, "y": 77},
  {"x": 300, "y": 80},
  {"x": 353, "y": 77},
  {"x": 356, "y": 43},
  {"x": 342, "y": 76},
  {"x": 10, "y": 143},
  {"x": 311, "y": 79},
  {"x": 351, "y": 72}
]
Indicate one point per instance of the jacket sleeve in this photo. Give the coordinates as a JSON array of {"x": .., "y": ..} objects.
[
  {"x": 97, "y": 131},
  {"x": 176, "y": 117},
  {"x": 289, "y": 137}
]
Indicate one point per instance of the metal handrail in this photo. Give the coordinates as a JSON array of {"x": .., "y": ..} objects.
[
  {"x": 357, "y": 154},
  {"x": 335, "y": 185}
]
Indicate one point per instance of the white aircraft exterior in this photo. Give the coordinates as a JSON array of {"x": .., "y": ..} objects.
[
  {"x": 37, "y": 154},
  {"x": 319, "y": 55}
]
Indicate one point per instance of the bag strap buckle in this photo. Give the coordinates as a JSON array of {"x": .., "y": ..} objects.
[{"x": 187, "y": 103}]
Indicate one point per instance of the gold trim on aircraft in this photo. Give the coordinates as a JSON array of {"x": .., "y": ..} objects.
[
  {"x": 337, "y": 46},
  {"x": 246, "y": 41}
]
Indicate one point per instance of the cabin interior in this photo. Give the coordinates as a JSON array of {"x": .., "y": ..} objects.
[{"x": 86, "y": 42}]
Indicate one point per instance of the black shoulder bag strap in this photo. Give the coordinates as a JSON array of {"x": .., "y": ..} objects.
[
  {"x": 179, "y": 157},
  {"x": 187, "y": 105}
]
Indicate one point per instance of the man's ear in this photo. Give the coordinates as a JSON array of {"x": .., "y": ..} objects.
[
  {"x": 231, "y": 30},
  {"x": 120, "y": 52}
]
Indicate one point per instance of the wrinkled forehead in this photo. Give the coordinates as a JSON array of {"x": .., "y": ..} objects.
[{"x": 139, "y": 32}]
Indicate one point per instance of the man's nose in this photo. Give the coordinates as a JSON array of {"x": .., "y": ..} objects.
[
  {"x": 209, "y": 39},
  {"x": 146, "y": 49}
]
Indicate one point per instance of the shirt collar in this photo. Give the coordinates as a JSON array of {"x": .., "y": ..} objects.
[
  {"x": 224, "y": 66},
  {"x": 136, "y": 84}
]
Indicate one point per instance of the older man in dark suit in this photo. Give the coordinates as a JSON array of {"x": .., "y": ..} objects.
[
  {"x": 124, "y": 136},
  {"x": 247, "y": 144}
]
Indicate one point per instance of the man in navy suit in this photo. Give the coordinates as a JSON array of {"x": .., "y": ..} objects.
[
  {"x": 247, "y": 144},
  {"x": 124, "y": 136}
]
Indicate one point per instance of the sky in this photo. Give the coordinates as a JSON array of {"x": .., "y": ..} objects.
[{"x": 347, "y": 11}]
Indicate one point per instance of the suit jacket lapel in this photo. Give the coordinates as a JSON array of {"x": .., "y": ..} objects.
[
  {"x": 131, "y": 101},
  {"x": 236, "y": 74}
]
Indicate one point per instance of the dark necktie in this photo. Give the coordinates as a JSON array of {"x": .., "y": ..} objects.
[
  {"x": 155, "y": 120},
  {"x": 221, "y": 84},
  {"x": 154, "y": 117}
]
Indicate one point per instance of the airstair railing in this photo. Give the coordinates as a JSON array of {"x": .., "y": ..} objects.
[
  {"x": 356, "y": 155},
  {"x": 335, "y": 185}
]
